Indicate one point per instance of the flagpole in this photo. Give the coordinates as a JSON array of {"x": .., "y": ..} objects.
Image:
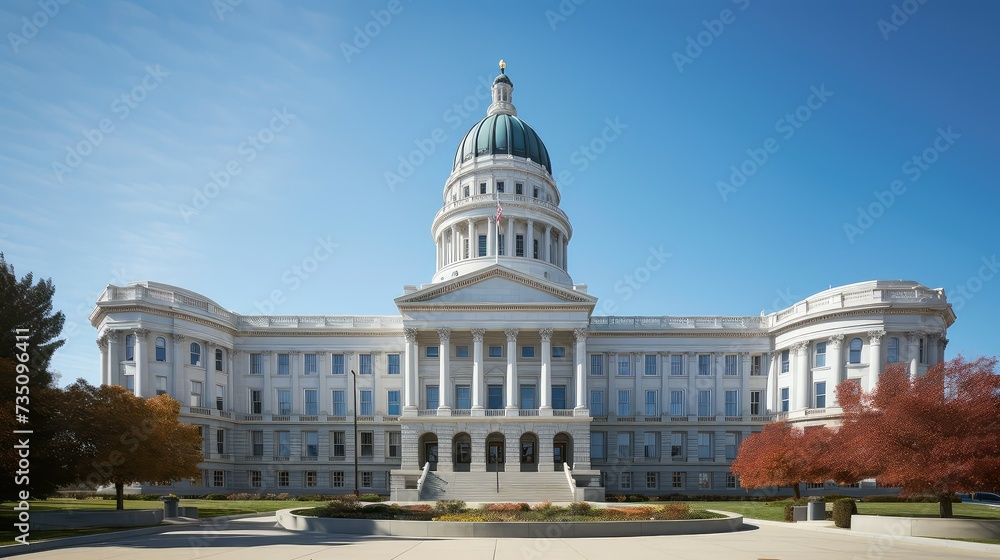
[{"x": 496, "y": 220}]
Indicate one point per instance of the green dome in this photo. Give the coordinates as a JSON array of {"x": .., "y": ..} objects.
[{"x": 503, "y": 134}]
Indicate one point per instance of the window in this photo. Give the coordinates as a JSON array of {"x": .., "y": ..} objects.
[
  {"x": 731, "y": 481},
  {"x": 283, "y": 444},
  {"x": 196, "y": 393},
  {"x": 732, "y": 445},
  {"x": 220, "y": 441},
  {"x": 625, "y": 445},
  {"x": 195, "y": 354},
  {"x": 394, "y": 445},
  {"x": 310, "y": 443},
  {"x": 676, "y": 364},
  {"x": 392, "y": 364},
  {"x": 651, "y": 408},
  {"x": 256, "y": 480},
  {"x": 161, "y": 349},
  {"x": 677, "y": 405},
  {"x": 465, "y": 190},
  {"x": 499, "y": 186},
  {"x": 518, "y": 188},
  {"x": 784, "y": 399},
  {"x": 256, "y": 364},
  {"x": 733, "y": 403},
  {"x": 559, "y": 397},
  {"x": 284, "y": 401},
  {"x": 820, "y": 354},
  {"x": 623, "y": 366},
  {"x": 624, "y": 406},
  {"x": 534, "y": 248},
  {"x": 465, "y": 248},
  {"x": 650, "y": 364},
  {"x": 677, "y": 447},
  {"x": 494, "y": 396},
  {"x": 339, "y": 406},
  {"x": 502, "y": 244},
  {"x": 130, "y": 382},
  {"x": 518, "y": 245},
  {"x": 892, "y": 353},
  {"x": 535, "y": 192},
  {"x": 755, "y": 400},
  {"x": 704, "y": 364},
  {"x": 732, "y": 365},
  {"x": 283, "y": 478},
  {"x": 218, "y": 478},
  {"x": 528, "y": 397},
  {"x": 596, "y": 364},
  {"x": 219, "y": 359},
  {"x": 392, "y": 400},
  {"x": 821, "y": 394},
  {"x": 130, "y": 348},
  {"x": 558, "y": 351},
  {"x": 677, "y": 479},
  {"x": 598, "y": 445},
  {"x": 649, "y": 445},
  {"x": 366, "y": 479},
  {"x": 855, "y": 351},
  {"x": 705, "y": 403},
  {"x": 784, "y": 361},
  {"x": 482, "y": 188},
  {"x": 431, "y": 396},
  {"x": 311, "y": 365},
  {"x": 482, "y": 245},
  {"x": 284, "y": 364},
  {"x": 596, "y": 403},
  {"x": 312, "y": 401},
  {"x": 431, "y": 352},
  {"x": 337, "y": 479},
  {"x": 704, "y": 480},
  {"x": 462, "y": 351},
  {"x": 338, "y": 445},
  {"x": 527, "y": 351},
  {"x": 625, "y": 481},
  {"x": 367, "y": 406},
  {"x": 496, "y": 351},
  {"x": 705, "y": 451},
  {"x": 920, "y": 350},
  {"x": 220, "y": 397},
  {"x": 337, "y": 362},
  {"x": 367, "y": 443},
  {"x": 256, "y": 443},
  {"x": 310, "y": 481},
  {"x": 161, "y": 385},
  {"x": 651, "y": 481},
  {"x": 364, "y": 364}
]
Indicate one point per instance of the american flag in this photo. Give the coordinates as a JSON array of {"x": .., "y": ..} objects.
[{"x": 499, "y": 214}]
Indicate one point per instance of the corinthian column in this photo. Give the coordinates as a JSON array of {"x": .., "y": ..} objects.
[
  {"x": 477, "y": 368},
  {"x": 444, "y": 381},
  {"x": 511, "y": 370},
  {"x": 580, "y": 335},
  {"x": 545, "y": 404}
]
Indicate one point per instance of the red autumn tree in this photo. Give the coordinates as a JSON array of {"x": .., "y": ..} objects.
[
  {"x": 782, "y": 455},
  {"x": 937, "y": 434}
]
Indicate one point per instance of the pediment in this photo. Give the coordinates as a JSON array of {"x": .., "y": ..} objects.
[{"x": 495, "y": 286}]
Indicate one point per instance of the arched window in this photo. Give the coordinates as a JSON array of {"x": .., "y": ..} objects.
[
  {"x": 892, "y": 354},
  {"x": 130, "y": 348},
  {"x": 855, "y": 357},
  {"x": 195, "y": 354},
  {"x": 161, "y": 349},
  {"x": 219, "y": 358}
]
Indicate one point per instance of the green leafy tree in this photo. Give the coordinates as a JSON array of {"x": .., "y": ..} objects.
[{"x": 25, "y": 304}]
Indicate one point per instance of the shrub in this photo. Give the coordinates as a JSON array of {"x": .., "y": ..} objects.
[
  {"x": 542, "y": 506},
  {"x": 843, "y": 509},
  {"x": 370, "y": 498},
  {"x": 507, "y": 506},
  {"x": 217, "y": 497},
  {"x": 675, "y": 511},
  {"x": 443, "y": 507},
  {"x": 833, "y": 497},
  {"x": 580, "y": 508}
]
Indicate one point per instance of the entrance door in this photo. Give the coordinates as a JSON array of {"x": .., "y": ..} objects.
[
  {"x": 494, "y": 456},
  {"x": 559, "y": 455},
  {"x": 431, "y": 452}
]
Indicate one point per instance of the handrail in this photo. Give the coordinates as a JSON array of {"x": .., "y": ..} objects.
[
  {"x": 423, "y": 477},
  {"x": 570, "y": 480}
]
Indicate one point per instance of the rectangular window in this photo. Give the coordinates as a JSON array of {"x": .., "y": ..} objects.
[
  {"x": 820, "y": 354},
  {"x": 920, "y": 351},
  {"x": 677, "y": 480},
  {"x": 755, "y": 365},
  {"x": 649, "y": 445},
  {"x": 310, "y": 481},
  {"x": 256, "y": 480},
  {"x": 502, "y": 244},
  {"x": 465, "y": 248},
  {"x": 367, "y": 443},
  {"x": 196, "y": 393},
  {"x": 161, "y": 349},
  {"x": 755, "y": 402},
  {"x": 625, "y": 445},
  {"x": 338, "y": 364},
  {"x": 677, "y": 447},
  {"x": 463, "y": 397},
  {"x": 731, "y": 481},
  {"x": 558, "y": 351},
  {"x": 821, "y": 394},
  {"x": 284, "y": 364},
  {"x": 598, "y": 445},
  {"x": 367, "y": 406},
  {"x": 392, "y": 364},
  {"x": 677, "y": 405},
  {"x": 283, "y": 479},
  {"x": 676, "y": 364},
  {"x": 284, "y": 401},
  {"x": 535, "y": 192},
  {"x": 650, "y": 368},
  {"x": 518, "y": 245},
  {"x": 337, "y": 479},
  {"x": 651, "y": 407},
  {"x": 482, "y": 188},
  {"x": 559, "y": 397},
  {"x": 431, "y": 396},
  {"x": 732, "y": 365},
  {"x": 528, "y": 397},
  {"x": 394, "y": 445},
  {"x": 220, "y": 441},
  {"x": 431, "y": 352},
  {"x": 705, "y": 451},
  {"x": 534, "y": 248},
  {"x": 625, "y": 481},
  {"x": 311, "y": 364},
  {"x": 651, "y": 482},
  {"x": 130, "y": 382},
  {"x": 784, "y": 361},
  {"x": 392, "y": 401},
  {"x": 161, "y": 385},
  {"x": 339, "y": 405},
  {"x": 624, "y": 406},
  {"x": 892, "y": 350},
  {"x": 623, "y": 366},
  {"x": 130, "y": 348},
  {"x": 596, "y": 403},
  {"x": 283, "y": 443},
  {"x": 366, "y": 479},
  {"x": 310, "y": 443},
  {"x": 462, "y": 351},
  {"x": 338, "y": 444},
  {"x": 465, "y": 191},
  {"x": 494, "y": 397},
  {"x": 704, "y": 364},
  {"x": 784, "y": 399},
  {"x": 705, "y": 403},
  {"x": 256, "y": 364},
  {"x": 218, "y": 478},
  {"x": 704, "y": 480},
  {"x": 365, "y": 364},
  {"x": 527, "y": 351},
  {"x": 257, "y": 443},
  {"x": 733, "y": 403},
  {"x": 482, "y": 245},
  {"x": 218, "y": 359},
  {"x": 312, "y": 401},
  {"x": 499, "y": 186},
  {"x": 496, "y": 351},
  {"x": 596, "y": 364},
  {"x": 732, "y": 445},
  {"x": 518, "y": 188}
]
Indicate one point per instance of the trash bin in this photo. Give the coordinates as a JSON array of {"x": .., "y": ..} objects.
[
  {"x": 170, "y": 507},
  {"x": 816, "y": 511},
  {"x": 800, "y": 513}
]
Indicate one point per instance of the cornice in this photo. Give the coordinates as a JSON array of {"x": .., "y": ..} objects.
[
  {"x": 493, "y": 272},
  {"x": 859, "y": 312}
]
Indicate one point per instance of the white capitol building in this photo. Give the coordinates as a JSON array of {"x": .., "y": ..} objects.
[{"x": 498, "y": 364}]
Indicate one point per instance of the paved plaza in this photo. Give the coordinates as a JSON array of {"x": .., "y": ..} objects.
[{"x": 260, "y": 537}]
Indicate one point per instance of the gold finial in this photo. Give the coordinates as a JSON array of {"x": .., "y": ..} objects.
[{"x": 503, "y": 65}]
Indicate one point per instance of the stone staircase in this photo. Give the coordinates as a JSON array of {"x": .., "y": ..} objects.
[{"x": 482, "y": 487}]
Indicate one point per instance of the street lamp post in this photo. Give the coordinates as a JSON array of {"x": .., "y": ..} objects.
[{"x": 357, "y": 489}]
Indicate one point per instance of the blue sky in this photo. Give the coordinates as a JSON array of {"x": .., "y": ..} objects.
[{"x": 217, "y": 145}]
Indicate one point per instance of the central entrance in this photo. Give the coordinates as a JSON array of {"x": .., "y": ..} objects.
[
  {"x": 562, "y": 449},
  {"x": 529, "y": 452},
  {"x": 494, "y": 452}
]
